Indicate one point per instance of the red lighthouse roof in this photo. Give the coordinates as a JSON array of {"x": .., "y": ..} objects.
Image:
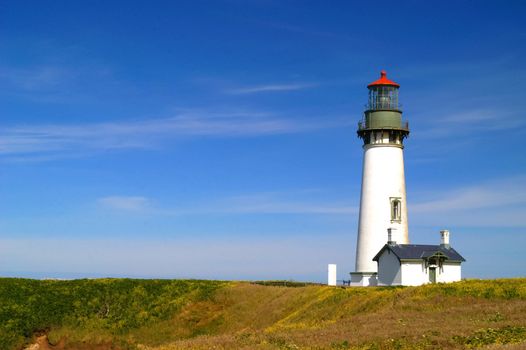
[{"x": 383, "y": 81}]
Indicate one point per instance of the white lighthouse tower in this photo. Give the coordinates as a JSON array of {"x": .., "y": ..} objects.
[{"x": 383, "y": 197}]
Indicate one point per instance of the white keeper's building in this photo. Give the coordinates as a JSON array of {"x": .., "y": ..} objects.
[{"x": 417, "y": 264}]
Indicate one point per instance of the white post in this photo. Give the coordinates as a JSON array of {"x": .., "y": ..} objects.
[{"x": 331, "y": 280}]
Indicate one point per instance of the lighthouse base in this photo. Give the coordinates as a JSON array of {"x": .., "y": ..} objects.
[{"x": 364, "y": 279}]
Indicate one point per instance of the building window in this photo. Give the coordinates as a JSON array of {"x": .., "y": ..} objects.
[{"x": 396, "y": 209}]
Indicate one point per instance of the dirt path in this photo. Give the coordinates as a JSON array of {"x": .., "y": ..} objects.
[{"x": 42, "y": 343}]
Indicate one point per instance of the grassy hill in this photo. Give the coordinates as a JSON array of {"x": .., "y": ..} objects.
[{"x": 191, "y": 314}]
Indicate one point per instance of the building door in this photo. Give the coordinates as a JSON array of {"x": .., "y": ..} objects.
[{"x": 432, "y": 274}]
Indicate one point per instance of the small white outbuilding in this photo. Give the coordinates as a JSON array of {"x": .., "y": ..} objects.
[{"x": 417, "y": 264}]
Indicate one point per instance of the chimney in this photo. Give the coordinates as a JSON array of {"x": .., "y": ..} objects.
[
  {"x": 444, "y": 238},
  {"x": 390, "y": 234}
]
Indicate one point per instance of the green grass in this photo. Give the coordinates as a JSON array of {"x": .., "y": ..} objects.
[
  {"x": 181, "y": 314},
  {"x": 110, "y": 306}
]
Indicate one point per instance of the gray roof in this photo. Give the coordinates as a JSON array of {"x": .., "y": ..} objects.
[{"x": 420, "y": 251}]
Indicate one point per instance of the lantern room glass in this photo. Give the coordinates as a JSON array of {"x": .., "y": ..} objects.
[{"x": 383, "y": 97}]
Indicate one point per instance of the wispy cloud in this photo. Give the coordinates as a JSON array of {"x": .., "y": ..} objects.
[
  {"x": 469, "y": 98},
  {"x": 275, "y": 203},
  {"x": 463, "y": 80},
  {"x": 472, "y": 117},
  {"x": 35, "y": 78},
  {"x": 471, "y": 121},
  {"x": 56, "y": 140},
  {"x": 126, "y": 203},
  {"x": 260, "y": 203},
  {"x": 494, "y": 203},
  {"x": 269, "y": 88}
]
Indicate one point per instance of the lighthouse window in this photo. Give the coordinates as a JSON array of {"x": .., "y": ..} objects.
[{"x": 396, "y": 210}]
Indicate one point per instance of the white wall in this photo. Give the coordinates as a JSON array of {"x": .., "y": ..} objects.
[
  {"x": 414, "y": 274},
  {"x": 363, "y": 279},
  {"x": 450, "y": 272},
  {"x": 389, "y": 273},
  {"x": 383, "y": 177}
]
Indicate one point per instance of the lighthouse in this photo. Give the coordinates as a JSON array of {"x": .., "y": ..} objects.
[{"x": 383, "y": 205}]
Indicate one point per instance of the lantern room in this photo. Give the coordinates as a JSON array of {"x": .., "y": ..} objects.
[
  {"x": 383, "y": 94},
  {"x": 382, "y": 122}
]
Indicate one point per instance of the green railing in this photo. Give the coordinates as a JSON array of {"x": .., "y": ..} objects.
[{"x": 404, "y": 125}]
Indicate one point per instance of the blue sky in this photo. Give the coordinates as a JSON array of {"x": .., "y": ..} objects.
[{"x": 217, "y": 139}]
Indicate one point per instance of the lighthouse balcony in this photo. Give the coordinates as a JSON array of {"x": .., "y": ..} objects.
[
  {"x": 383, "y": 134},
  {"x": 363, "y": 125}
]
